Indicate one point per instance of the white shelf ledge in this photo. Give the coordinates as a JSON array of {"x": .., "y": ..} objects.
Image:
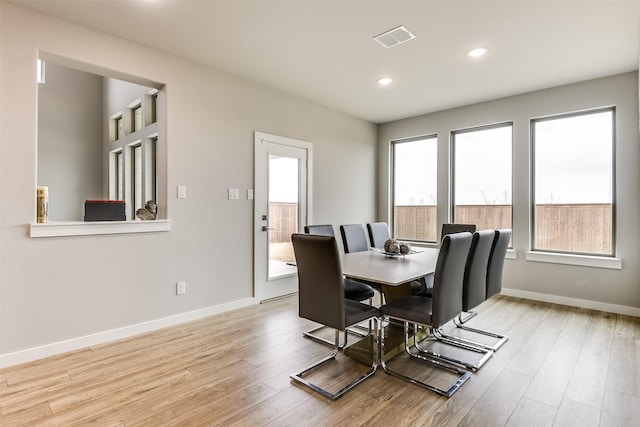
[
  {"x": 79, "y": 228},
  {"x": 573, "y": 259}
]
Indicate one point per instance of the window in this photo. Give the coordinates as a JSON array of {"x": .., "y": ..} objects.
[
  {"x": 574, "y": 184},
  {"x": 118, "y": 129},
  {"x": 136, "y": 179},
  {"x": 142, "y": 177},
  {"x": 151, "y": 115},
  {"x": 482, "y": 172},
  {"x": 414, "y": 196},
  {"x": 136, "y": 118},
  {"x": 119, "y": 175},
  {"x": 133, "y": 176}
]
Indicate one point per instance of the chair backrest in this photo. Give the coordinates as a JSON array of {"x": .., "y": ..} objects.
[
  {"x": 319, "y": 230},
  {"x": 448, "y": 277},
  {"x": 378, "y": 234},
  {"x": 496, "y": 261},
  {"x": 320, "y": 281},
  {"x": 456, "y": 228},
  {"x": 354, "y": 238},
  {"x": 474, "y": 289}
]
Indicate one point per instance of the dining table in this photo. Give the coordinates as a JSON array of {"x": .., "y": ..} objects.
[
  {"x": 389, "y": 269},
  {"x": 393, "y": 272}
]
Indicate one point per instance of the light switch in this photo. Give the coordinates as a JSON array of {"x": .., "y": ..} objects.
[
  {"x": 250, "y": 194},
  {"x": 234, "y": 194},
  {"x": 182, "y": 192}
]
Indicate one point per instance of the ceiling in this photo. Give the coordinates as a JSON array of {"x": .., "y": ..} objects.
[{"x": 323, "y": 51}]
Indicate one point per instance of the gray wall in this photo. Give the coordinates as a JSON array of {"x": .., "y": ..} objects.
[
  {"x": 61, "y": 288},
  {"x": 70, "y": 140},
  {"x": 567, "y": 282}
]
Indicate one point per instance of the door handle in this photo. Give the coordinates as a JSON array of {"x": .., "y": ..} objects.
[{"x": 266, "y": 228}]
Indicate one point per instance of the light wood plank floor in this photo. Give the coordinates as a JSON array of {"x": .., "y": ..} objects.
[{"x": 561, "y": 367}]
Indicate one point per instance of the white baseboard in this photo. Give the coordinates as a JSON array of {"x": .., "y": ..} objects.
[
  {"x": 35, "y": 353},
  {"x": 573, "y": 302}
]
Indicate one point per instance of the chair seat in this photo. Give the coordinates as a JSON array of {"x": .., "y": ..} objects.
[
  {"x": 357, "y": 291},
  {"x": 413, "y": 308},
  {"x": 356, "y": 312}
]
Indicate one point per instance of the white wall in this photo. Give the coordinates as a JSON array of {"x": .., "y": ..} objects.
[
  {"x": 64, "y": 288},
  {"x": 616, "y": 290}
]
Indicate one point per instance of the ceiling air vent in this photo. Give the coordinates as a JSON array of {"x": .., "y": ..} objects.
[{"x": 394, "y": 37}]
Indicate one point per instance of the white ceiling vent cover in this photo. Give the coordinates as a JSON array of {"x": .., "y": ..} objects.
[{"x": 394, "y": 37}]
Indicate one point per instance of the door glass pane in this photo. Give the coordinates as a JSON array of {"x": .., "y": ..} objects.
[{"x": 283, "y": 213}]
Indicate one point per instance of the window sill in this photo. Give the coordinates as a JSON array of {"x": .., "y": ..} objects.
[
  {"x": 79, "y": 228},
  {"x": 571, "y": 259}
]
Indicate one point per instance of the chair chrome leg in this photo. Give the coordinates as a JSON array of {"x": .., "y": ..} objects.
[
  {"x": 310, "y": 334},
  {"x": 463, "y": 375},
  {"x": 298, "y": 376},
  {"x": 501, "y": 338},
  {"x": 470, "y": 315},
  {"x": 439, "y": 336}
]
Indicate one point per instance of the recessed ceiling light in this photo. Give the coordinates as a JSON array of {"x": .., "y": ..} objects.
[
  {"x": 385, "y": 81},
  {"x": 474, "y": 53}
]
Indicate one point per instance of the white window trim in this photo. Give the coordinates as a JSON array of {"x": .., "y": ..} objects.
[
  {"x": 80, "y": 228},
  {"x": 574, "y": 259}
]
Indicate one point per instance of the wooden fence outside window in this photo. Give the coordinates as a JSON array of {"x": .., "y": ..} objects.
[{"x": 581, "y": 228}]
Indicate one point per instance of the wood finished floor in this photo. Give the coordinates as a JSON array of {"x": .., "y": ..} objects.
[{"x": 561, "y": 367}]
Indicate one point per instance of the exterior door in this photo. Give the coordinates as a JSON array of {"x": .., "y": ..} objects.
[{"x": 280, "y": 209}]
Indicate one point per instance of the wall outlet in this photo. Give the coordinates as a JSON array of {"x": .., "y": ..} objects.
[{"x": 181, "y": 288}]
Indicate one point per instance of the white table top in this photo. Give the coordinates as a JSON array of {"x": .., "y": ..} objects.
[{"x": 376, "y": 267}]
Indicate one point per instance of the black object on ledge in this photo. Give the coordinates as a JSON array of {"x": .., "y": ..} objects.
[{"x": 104, "y": 210}]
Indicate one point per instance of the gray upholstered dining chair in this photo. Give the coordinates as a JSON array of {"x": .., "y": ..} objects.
[
  {"x": 496, "y": 261},
  {"x": 354, "y": 238},
  {"x": 319, "y": 229},
  {"x": 446, "y": 229},
  {"x": 492, "y": 282},
  {"x": 353, "y": 289},
  {"x": 456, "y": 228},
  {"x": 474, "y": 291},
  {"x": 431, "y": 313},
  {"x": 321, "y": 299},
  {"x": 378, "y": 234}
]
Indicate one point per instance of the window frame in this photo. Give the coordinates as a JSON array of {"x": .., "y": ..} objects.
[
  {"x": 392, "y": 196},
  {"x": 452, "y": 168},
  {"x": 540, "y": 254}
]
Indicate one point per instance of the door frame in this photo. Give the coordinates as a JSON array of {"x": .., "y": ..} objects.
[{"x": 260, "y": 254}]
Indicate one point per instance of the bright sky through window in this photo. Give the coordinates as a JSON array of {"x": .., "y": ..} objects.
[
  {"x": 574, "y": 159},
  {"x": 483, "y": 167},
  {"x": 416, "y": 172}
]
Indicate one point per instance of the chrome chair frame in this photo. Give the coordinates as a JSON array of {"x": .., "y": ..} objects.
[
  {"x": 299, "y": 376},
  {"x": 320, "y": 278},
  {"x": 436, "y": 361},
  {"x": 494, "y": 284},
  {"x": 474, "y": 292},
  {"x": 431, "y": 313}
]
